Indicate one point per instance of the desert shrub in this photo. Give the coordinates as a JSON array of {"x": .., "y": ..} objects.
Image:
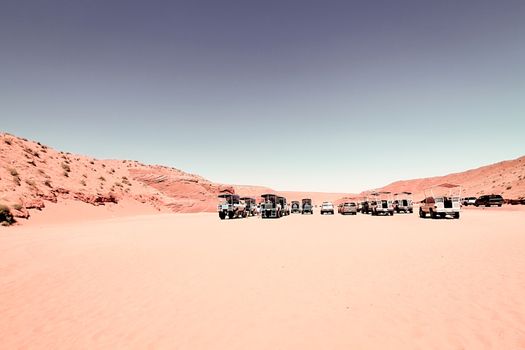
[
  {"x": 6, "y": 218},
  {"x": 102, "y": 178},
  {"x": 17, "y": 206},
  {"x": 41, "y": 171},
  {"x": 509, "y": 187},
  {"x": 118, "y": 184},
  {"x": 31, "y": 162},
  {"x": 91, "y": 162},
  {"x": 65, "y": 173},
  {"x": 103, "y": 165},
  {"x": 84, "y": 176},
  {"x": 8, "y": 141},
  {"x": 48, "y": 183},
  {"x": 30, "y": 183},
  {"x": 13, "y": 172},
  {"x": 83, "y": 182},
  {"x": 66, "y": 167}
]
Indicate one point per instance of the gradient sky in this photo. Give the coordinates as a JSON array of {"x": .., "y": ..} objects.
[{"x": 295, "y": 95}]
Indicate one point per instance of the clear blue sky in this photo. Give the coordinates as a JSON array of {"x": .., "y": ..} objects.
[{"x": 295, "y": 95}]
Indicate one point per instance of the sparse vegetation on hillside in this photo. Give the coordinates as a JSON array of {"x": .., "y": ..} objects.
[{"x": 66, "y": 167}]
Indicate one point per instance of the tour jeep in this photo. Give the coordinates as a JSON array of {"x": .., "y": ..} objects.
[
  {"x": 382, "y": 203},
  {"x": 440, "y": 201},
  {"x": 307, "y": 206},
  {"x": 251, "y": 205},
  {"x": 231, "y": 206},
  {"x": 271, "y": 207},
  {"x": 403, "y": 202},
  {"x": 296, "y": 207}
]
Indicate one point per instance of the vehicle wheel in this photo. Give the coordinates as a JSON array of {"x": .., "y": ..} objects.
[
  {"x": 442, "y": 215},
  {"x": 422, "y": 213},
  {"x": 411, "y": 211},
  {"x": 499, "y": 205},
  {"x": 433, "y": 214},
  {"x": 222, "y": 215},
  {"x": 456, "y": 215},
  {"x": 245, "y": 215},
  {"x": 231, "y": 214},
  {"x": 392, "y": 213}
]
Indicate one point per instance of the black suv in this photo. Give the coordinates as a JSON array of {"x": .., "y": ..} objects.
[{"x": 489, "y": 200}]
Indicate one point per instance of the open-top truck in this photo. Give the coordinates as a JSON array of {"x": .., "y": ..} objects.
[
  {"x": 440, "y": 201},
  {"x": 285, "y": 208},
  {"x": 403, "y": 202},
  {"x": 251, "y": 205},
  {"x": 231, "y": 206},
  {"x": 271, "y": 206},
  {"x": 307, "y": 207},
  {"x": 296, "y": 207},
  {"x": 381, "y": 203}
]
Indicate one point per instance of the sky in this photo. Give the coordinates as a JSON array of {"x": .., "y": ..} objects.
[{"x": 338, "y": 96}]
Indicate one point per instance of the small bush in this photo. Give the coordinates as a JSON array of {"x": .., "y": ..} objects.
[
  {"x": 65, "y": 173},
  {"x": 91, "y": 162},
  {"x": 509, "y": 187},
  {"x": 84, "y": 176},
  {"x": 102, "y": 178},
  {"x": 30, "y": 183},
  {"x": 66, "y": 167},
  {"x": 31, "y": 162},
  {"x": 17, "y": 206},
  {"x": 83, "y": 182},
  {"x": 6, "y": 218},
  {"x": 118, "y": 184},
  {"x": 8, "y": 141},
  {"x": 41, "y": 171},
  {"x": 48, "y": 183},
  {"x": 13, "y": 172}
]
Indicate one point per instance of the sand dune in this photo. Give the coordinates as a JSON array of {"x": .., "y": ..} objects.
[{"x": 302, "y": 282}]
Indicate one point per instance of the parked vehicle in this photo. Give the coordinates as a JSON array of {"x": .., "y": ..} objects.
[
  {"x": 364, "y": 207},
  {"x": 469, "y": 201},
  {"x": 440, "y": 201},
  {"x": 307, "y": 207},
  {"x": 403, "y": 202},
  {"x": 285, "y": 207},
  {"x": 489, "y": 200},
  {"x": 296, "y": 207},
  {"x": 251, "y": 205},
  {"x": 382, "y": 203},
  {"x": 271, "y": 206},
  {"x": 231, "y": 206},
  {"x": 327, "y": 208},
  {"x": 348, "y": 208}
]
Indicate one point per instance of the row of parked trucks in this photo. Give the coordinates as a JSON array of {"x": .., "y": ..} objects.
[{"x": 440, "y": 201}]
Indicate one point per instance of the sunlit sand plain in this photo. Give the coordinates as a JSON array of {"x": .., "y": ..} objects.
[{"x": 191, "y": 281}]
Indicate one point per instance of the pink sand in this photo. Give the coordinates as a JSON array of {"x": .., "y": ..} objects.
[{"x": 173, "y": 281}]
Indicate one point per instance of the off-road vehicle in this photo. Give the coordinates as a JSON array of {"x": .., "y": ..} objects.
[
  {"x": 284, "y": 206},
  {"x": 271, "y": 207},
  {"x": 307, "y": 207},
  {"x": 251, "y": 205},
  {"x": 440, "y": 201},
  {"x": 296, "y": 207},
  {"x": 403, "y": 202},
  {"x": 489, "y": 200},
  {"x": 348, "y": 208},
  {"x": 468, "y": 201},
  {"x": 381, "y": 203},
  {"x": 327, "y": 208},
  {"x": 231, "y": 206}
]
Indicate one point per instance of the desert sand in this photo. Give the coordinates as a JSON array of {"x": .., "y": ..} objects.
[{"x": 191, "y": 281}]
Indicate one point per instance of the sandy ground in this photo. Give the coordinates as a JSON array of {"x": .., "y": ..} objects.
[{"x": 191, "y": 281}]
